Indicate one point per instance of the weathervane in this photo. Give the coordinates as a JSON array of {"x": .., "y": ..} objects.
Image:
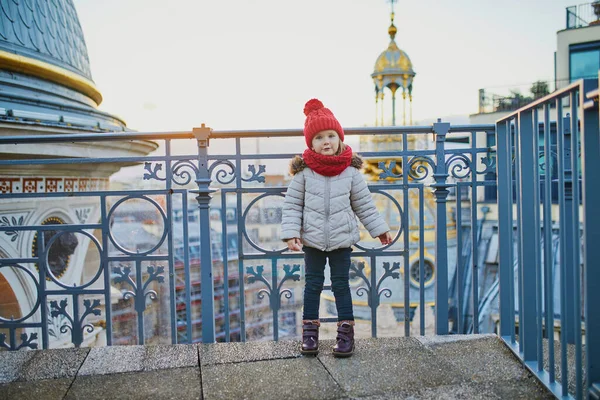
[{"x": 392, "y": 2}]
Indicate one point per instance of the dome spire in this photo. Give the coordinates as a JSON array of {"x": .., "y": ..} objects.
[
  {"x": 394, "y": 71},
  {"x": 392, "y": 29}
]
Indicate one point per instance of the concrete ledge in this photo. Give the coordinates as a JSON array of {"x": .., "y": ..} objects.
[
  {"x": 40, "y": 364},
  {"x": 442, "y": 339},
  {"x": 119, "y": 359},
  {"x": 180, "y": 384},
  {"x": 44, "y": 389},
  {"x": 295, "y": 378},
  {"x": 171, "y": 356},
  {"x": 113, "y": 359},
  {"x": 480, "y": 357},
  {"x": 223, "y": 353},
  {"x": 389, "y": 365}
]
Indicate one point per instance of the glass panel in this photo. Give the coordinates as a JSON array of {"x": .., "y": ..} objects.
[{"x": 584, "y": 64}]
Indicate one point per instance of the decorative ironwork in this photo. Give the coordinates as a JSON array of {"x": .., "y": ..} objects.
[
  {"x": 4, "y": 221},
  {"x": 221, "y": 173},
  {"x": 459, "y": 166},
  {"x": 183, "y": 172},
  {"x": 489, "y": 160},
  {"x": 152, "y": 171},
  {"x": 358, "y": 272},
  {"x": 256, "y": 175},
  {"x": 417, "y": 167},
  {"x": 139, "y": 292},
  {"x": 54, "y": 323},
  {"x": 26, "y": 341},
  {"x": 291, "y": 272},
  {"x": 388, "y": 171},
  {"x": 76, "y": 323}
]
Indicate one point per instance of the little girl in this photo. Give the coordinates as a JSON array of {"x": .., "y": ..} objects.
[{"x": 319, "y": 214}]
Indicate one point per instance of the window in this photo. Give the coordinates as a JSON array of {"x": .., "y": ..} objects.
[{"x": 584, "y": 60}]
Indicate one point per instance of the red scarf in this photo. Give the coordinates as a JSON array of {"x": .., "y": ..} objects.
[{"x": 328, "y": 165}]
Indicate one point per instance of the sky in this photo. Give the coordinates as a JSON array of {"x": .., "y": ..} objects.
[{"x": 252, "y": 64}]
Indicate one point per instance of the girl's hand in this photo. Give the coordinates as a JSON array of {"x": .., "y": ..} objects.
[
  {"x": 294, "y": 244},
  {"x": 384, "y": 238}
]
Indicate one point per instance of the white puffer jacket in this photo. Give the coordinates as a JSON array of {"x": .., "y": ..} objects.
[{"x": 322, "y": 210}]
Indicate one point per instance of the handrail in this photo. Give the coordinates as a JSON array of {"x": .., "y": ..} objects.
[{"x": 226, "y": 134}]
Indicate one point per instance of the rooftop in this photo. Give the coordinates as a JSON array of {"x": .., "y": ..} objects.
[{"x": 422, "y": 367}]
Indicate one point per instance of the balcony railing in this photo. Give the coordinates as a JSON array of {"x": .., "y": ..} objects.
[
  {"x": 582, "y": 15},
  {"x": 530, "y": 291}
]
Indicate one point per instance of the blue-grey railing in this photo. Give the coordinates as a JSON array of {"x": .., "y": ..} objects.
[
  {"x": 180, "y": 270},
  {"x": 525, "y": 158},
  {"x": 580, "y": 15}
]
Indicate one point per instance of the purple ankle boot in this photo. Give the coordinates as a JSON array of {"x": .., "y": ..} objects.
[
  {"x": 310, "y": 337},
  {"x": 345, "y": 339}
]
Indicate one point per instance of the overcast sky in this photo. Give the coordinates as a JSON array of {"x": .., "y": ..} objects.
[{"x": 252, "y": 64}]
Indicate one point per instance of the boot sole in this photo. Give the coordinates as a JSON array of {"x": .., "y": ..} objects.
[
  {"x": 343, "y": 355},
  {"x": 309, "y": 352}
]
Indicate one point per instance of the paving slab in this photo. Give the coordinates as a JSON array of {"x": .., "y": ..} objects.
[
  {"x": 482, "y": 359},
  {"x": 441, "y": 339},
  {"x": 291, "y": 378},
  {"x": 223, "y": 353},
  {"x": 469, "y": 391},
  {"x": 113, "y": 359},
  {"x": 54, "y": 363},
  {"x": 171, "y": 356},
  {"x": 44, "y": 389},
  {"x": 388, "y": 365},
  {"x": 176, "y": 384},
  {"x": 12, "y": 363}
]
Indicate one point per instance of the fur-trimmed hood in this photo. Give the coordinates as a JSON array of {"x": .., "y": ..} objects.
[{"x": 297, "y": 164}]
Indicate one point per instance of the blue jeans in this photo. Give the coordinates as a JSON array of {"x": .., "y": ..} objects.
[{"x": 339, "y": 265}]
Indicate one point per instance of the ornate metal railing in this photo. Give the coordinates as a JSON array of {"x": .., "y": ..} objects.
[
  {"x": 89, "y": 265},
  {"x": 531, "y": 291}
]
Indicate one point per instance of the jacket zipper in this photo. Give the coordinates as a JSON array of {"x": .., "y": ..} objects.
[{"x": 326, "y": 228}]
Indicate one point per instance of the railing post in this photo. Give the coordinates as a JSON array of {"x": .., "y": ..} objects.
[
  {"x": 571, "y": 320},
  {"x": 590, "y": 168},
  {"x": 528, "y": 225},
  {"x": 441, "y": 238},
  {"x": 202, "y": 135},
  {"x": 505, "y": 229}
]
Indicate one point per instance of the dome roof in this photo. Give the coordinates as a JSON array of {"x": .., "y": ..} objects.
[
  {"x": 44, "y": 39},
  {"x": 393, "y": 67},
  {"x": 393, "y": 61}
]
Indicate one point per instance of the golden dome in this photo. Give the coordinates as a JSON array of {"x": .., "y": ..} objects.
[
  {"x": 393, "y": 61},
  {"x": 392, "y": 30}
]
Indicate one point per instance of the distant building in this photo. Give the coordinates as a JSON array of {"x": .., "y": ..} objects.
[{"x": 577, "y": 56}]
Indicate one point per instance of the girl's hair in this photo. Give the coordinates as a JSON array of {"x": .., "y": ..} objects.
[{"x": 340, "y": 149}]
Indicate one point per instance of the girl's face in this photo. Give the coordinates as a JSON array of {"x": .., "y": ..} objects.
[{"x": 326, "y": 142}]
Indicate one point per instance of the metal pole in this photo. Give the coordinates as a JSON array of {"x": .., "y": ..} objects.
[
  {"x": 441, "y": 236},
  {"x": 202, "y": 135},
  {"x": 590, "y": 168}
]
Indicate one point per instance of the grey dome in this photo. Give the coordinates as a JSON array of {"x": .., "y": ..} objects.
[{"x": 46, "y": 30}]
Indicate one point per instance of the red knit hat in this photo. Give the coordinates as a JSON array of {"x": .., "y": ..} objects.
[{"x": 319, "y": 118}]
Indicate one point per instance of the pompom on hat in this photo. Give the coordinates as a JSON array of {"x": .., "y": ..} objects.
[{"x": 319, "y": 118}]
